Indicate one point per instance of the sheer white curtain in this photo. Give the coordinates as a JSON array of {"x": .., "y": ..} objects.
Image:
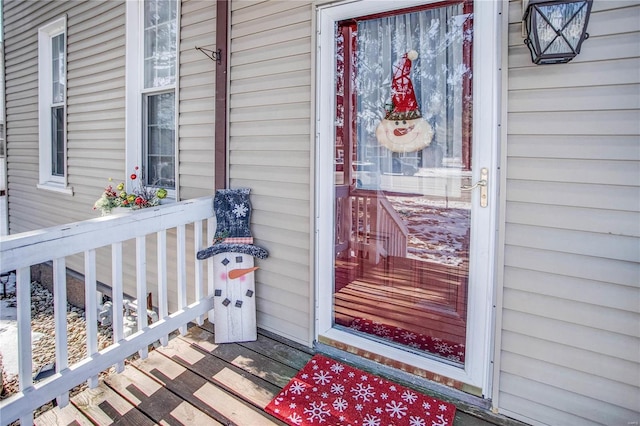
[{"x": 437, "y": 77}]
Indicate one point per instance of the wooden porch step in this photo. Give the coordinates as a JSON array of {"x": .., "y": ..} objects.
[{"x": 191, "y": 381}]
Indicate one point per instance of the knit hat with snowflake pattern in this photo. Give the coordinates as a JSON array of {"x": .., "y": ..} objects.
[
  {"x": 233, "y": 215},
  {"x": 404, "y": 105}
]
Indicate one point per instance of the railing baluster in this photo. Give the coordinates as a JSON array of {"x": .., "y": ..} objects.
[
  {"x": 60, "y": 320},
  {"x": 116, "y": 297},
  {"x": 182, "y": 272},
  {"x": 211, "y": 230},
  {"x": 141, "y": 286},
  {"x": 91, "y": 308},
  {"x": 163, "y": 306},
  {"x": 197, "y": 241},
  {"x": 23, "y": 318}
]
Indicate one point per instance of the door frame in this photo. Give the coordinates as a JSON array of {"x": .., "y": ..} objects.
[{"x": 477, "y": 371}]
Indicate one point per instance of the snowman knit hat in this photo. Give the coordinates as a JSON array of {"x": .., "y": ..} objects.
[
  {"x": 404, "y": 105},
  {"x": 233, "y": 215}
]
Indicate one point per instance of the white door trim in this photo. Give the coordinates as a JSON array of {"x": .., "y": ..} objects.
[{"x": 486, "y": 113}]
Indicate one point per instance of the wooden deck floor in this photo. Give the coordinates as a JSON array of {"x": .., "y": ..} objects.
[{"x": 193, "y": 381}]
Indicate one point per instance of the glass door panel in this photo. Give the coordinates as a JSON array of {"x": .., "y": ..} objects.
[{"x": 402, "y": 161}]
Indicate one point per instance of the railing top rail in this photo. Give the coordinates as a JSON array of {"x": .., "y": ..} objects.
[{"x": 33, "y": 247}]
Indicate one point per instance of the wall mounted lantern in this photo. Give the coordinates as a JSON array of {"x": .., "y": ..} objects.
[{"x": 556, "y": 29}]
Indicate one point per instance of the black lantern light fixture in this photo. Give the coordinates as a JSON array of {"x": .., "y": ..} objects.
[{"x": 556, "y": 29}]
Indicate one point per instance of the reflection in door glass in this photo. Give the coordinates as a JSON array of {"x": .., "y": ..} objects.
[{"x": 402, "y": 155}]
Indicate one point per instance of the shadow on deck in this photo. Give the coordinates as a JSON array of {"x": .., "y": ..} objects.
[{"x": 193, "y": 381}]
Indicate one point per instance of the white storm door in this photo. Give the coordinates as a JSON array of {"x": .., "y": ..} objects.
[{"x": 400, "y": 233}]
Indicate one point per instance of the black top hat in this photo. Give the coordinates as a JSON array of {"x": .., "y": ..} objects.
[{"x": 233, "y": 214}]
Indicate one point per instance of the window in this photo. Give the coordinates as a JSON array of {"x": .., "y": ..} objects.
[
  {"x": 152, "y": 74},
  {"x": 52, "y": 79},
  {"x": 433, "y": 84}
]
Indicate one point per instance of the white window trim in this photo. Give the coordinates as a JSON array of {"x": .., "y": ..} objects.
[
  {"x": 46, "y": 180},
  {"x": 134, "y": 81},
  {"x": 477, "y": 370}
]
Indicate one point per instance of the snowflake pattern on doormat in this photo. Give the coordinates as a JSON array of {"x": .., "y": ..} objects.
[
  {"x": 453, "y": 351},
  {"x": 327, "y": 392}
]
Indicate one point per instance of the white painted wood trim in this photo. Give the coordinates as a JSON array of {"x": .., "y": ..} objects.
[
  {"x": 20, "y": 251},
  {"x": 33, "y": 247},
  {"x": 47, "y": 390},
  {"x": 197, "y": 245},
  {"x": 163, "y": 301},
  {"x": 182, "y": 272},
  {"x": 60, "y": 321},
  {"x": 23, "y": 318},
  {"x": 91, "y": 308},
  {"x": 477, "y": 369},
  {"x": 116, "y": 297},
  {"x": 141, "y": 287}
]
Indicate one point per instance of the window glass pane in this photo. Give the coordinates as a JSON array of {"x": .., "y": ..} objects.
[
  {"x": 57, "y": 141},
  {"x": 160, "y": 143},
  {"x": 159, "y": 43},
  {"x": 403, "y": 102},
  {"x": 58, "y": 68},
  {"x": 436, "y": 75}
]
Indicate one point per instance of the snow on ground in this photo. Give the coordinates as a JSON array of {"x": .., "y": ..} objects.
[{"x": 438, "y": 231}]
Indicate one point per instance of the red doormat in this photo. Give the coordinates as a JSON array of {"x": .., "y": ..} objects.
[{"x": 330, "y": 393}]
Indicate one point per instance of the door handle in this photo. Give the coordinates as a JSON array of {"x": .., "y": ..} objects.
[{"x": 483, "y": 183}]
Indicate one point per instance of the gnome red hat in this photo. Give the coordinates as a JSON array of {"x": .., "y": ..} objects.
[{"x": 404, "y": 105}]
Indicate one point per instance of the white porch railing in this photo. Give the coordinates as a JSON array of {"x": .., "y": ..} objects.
[{"x": 19, "y": 252}]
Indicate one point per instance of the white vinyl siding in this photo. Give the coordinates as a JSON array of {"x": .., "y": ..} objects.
[
  {"x": 269, "y": 152},
  {"x": 570, "y": 338},
  {"x": 95, "y": 108},
  {"x": 196, "y": 119}
]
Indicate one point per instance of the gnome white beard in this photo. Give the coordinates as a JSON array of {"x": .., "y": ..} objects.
[{"x": 404, "y": 136}]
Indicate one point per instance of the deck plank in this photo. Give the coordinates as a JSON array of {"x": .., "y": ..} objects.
[
  {"x": 191, "y": 386},
  {"x": 252, "y": 362},
  {"x": 156, "y": 401},
  {"x": 103, "y": 406},
  {"x": 294, "y": 355},
  {"x": 255, "y": 390},
  {"x": 67, "y": 416}
]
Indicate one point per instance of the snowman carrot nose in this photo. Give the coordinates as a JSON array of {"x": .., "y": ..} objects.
[{"x": 237, "y": 273}]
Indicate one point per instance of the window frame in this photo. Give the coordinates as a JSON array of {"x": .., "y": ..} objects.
[
  {"x": 47, "y": 179},
  {"x": 136, "y": 95}
]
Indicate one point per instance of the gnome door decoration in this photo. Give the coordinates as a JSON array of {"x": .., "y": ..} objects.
[
  {"x": 403, "y": 129},
  {"x": 233, "y": 252}
]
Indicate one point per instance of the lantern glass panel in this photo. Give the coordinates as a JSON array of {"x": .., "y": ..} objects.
[{"x": 559, "y": 15}]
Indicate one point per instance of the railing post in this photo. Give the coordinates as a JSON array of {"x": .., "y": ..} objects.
[
  {"x": 23, "y": 318},
  {"x": 116, "y": 297},
  {"x": 91, "y": 308},
  {"x": 197, "y": 243},
  {"x": 163, "y": 304},
  {"x": 182, "y": 272},
  {"x": 141, "y": 285},
  {"x": 60, "y": 321}
]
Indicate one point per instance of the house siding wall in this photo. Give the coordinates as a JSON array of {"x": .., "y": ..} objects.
[
  {"x": 96, "y": 117},
  {"x": 95, "y": 112},
  {"x": 270, "y": 152},
  {"x": 196, "y": 118},
  {"x": 570, "y": 337}
]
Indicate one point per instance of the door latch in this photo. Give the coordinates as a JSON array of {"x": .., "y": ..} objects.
[{"x": 483, "y": 184}]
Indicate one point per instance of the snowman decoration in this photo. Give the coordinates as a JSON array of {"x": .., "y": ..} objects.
[
  {"x": 403, "y": 129},
  {"x": 233, "y": 252}
]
